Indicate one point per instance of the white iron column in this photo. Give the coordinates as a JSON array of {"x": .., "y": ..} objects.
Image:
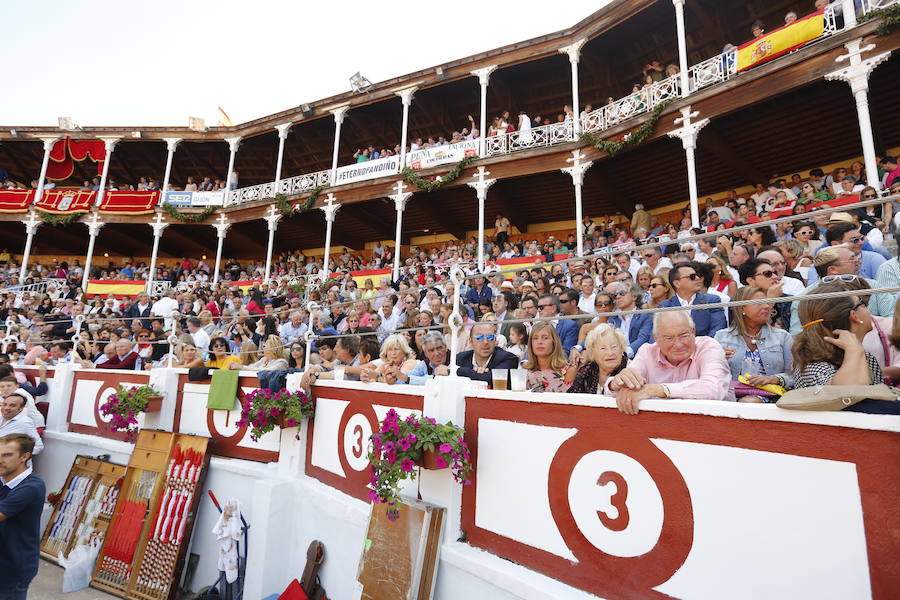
[
  {"x": 283, "y": 130},
  {"x": 48, "y": 147},
  {"x": 233, "y": 145},
  {"x": 456, "y": 322},
  {"x": 574, "y": 52},
  {"x": 330, "y": 209},
  {"x": 93, "y": 224},
  {"x": 483, "y": 76},
  {"x": 849, "y": 11},
  {"x": 31, "y": 225},
  {"x": 682, "y": 46},
  {"x": 406, "y": 95},
  {"x": 159, "y": 225},
  {"x": 481, "y": 185},
  {"x": 339, "y": 114},
  {"x": 579, "y": 166},
  {"x": 399, "y": 197},
  {"x": 309, "y": 336},
  {"x": 110, "y": 145},
  {"x": 857, "y": 75},
  {"x": 171, "y": 146},
  {"x": 688, "y": 133},
  {"x": 272, "y": 217},
  {"x": 222, "y": 224}
]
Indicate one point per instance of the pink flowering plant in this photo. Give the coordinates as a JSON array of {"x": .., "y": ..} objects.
[
  {"x": 123, "y": 407},
  {"x": 398, "y": 447},
  {"x": 263, "y": 409}
]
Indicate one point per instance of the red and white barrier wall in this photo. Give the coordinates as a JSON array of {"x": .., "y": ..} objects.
[{"x": 570, "y": 498}]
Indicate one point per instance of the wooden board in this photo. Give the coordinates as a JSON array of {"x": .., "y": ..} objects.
[
  {"x": 54, "y": 547},
  {"x": 399, "y": 560}
]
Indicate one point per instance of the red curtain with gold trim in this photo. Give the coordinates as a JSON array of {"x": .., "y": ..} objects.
[
  {"x": 66, "y": 151},
  {"x": 12, "y": 201},
  {"x": 129, "y": 203},
  {"x": 63, "y": 202}
]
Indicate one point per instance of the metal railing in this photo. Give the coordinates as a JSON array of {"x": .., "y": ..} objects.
[
  {"x": 538, "y": 137},
  {"x": 870, "y": 5}
]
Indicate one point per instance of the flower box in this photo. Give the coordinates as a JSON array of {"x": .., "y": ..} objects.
[
  {"x": 154, "y": 404},
  {"x": 432, "y": 461}
]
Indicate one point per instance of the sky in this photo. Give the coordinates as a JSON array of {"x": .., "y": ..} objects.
[{"x": 156, "y": 63}]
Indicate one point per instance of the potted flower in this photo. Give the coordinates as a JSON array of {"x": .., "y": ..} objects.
[
  {"x": 400, "y": 445},
  {"x": 263, "y": 409},
  {"x": 123, "y": 407}
]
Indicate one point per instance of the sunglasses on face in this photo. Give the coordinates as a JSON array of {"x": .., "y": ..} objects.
[
  {"x": 481, "y": 337},
  {"x": 621, "y": 293},
  {"x": 856, "y": 240},
  {"x": 602, "y": 303},
  {"x": 656, "y": 285},
  {"x": 870, "y": 196},
  {"x": 767, "y": 273},
  {"x": 692, "y": 277},
  {"x": 803, "y": 233}
]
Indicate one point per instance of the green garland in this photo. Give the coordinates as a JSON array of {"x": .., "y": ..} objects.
[
  {"x": 188, "y": 218},
  {"x": 637, "y": 137},
  {"x": 425, "y": 185},
  {"x": 285, "y": 208},
  {"x": 890, "y": 18},
  {"x": 51, "y": 219}
]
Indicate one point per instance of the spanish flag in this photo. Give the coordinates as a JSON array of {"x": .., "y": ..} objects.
[
  {"x": 224, "y": 119},
  {"x": 103, "y": 287},
  {"x": 781, "y": 41},
  {"x": 245, "y": 285}
]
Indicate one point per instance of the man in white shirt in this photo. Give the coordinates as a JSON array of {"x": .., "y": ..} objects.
[
  {"x": 389, "y": 316},
  {"x": 655, "y": 260},
  {"x": 293, "y": 329},
  {"x": 164, "y": 307},
  {"x": 199, "y": 335},
  {"x": 14, "y": 420},
  {"x": 790, "y": 285},
  {"x": 586, "y": 298},
  {"x": 626, "y": 264}
]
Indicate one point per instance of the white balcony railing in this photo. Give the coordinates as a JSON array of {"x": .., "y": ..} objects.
[{"x": 711, "y": 71}]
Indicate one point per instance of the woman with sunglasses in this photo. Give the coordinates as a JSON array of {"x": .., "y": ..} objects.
[
  {"x": 548, "y": 370},
  {"x": 873, "y": 215},
  {"x": 221, "y": 357},
  {"x": 756, "y": 349},
  {"x": 722, "y": 281},
  {"x": 660, "y": 290},
  {"x": 810, "y": 195},
  {"x": 829, "y": 348},
  {"x": 297, "y": 356},
  {"x": 807, "y": 234}
]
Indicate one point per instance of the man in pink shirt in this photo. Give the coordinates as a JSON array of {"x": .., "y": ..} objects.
[{"x": 677, "y": 365}]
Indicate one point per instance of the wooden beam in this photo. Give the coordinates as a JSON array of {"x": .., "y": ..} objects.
[{"x": 712, "y": 139}]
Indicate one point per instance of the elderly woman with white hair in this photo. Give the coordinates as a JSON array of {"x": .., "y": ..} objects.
[
  {"x": 679, "y": 364},
  {"x": 605, "y": 345},
  {"x": 396, "y": 358}
]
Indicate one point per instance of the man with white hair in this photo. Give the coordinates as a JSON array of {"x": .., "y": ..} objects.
[
  {"x": 677, "y": 365},
  {"x": 293, "y": 329}
]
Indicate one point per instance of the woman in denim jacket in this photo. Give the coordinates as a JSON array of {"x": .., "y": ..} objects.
[{"x": 755, "y": 348}]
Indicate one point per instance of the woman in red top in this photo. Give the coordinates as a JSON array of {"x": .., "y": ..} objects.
[
  {"x": 722, "y": 280},
  {"x": 216, "y": 306},
  {"x": 255, "y": 306}
]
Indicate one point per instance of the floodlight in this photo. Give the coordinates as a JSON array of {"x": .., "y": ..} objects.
[{"x": 358, "y": 83}]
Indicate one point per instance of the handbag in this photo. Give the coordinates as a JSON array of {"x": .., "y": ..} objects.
[{"x": 835, "y": 397}]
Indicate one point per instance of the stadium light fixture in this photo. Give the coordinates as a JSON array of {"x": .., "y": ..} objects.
[{"x": 358, "y": 83}]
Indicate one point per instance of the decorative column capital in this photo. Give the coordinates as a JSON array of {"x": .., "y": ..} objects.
[
  {"x": 678, "y": 3},
  {"x": 94, "y": 224},
  {"x": 406, "y": 94},
  {"x": 158, "y": 224},
  {"x": 399, "y": 196},
  {"x": 578, "y": 168},
  {"x": 330, "y": 208},
  {"x": 481, "y": 183},
  {"x": 49, "y": 142},
  {"x": 689, "y": 130},
  {"x": 222, "y": 224},
  {"x": 233, "y": 143},
  {"x": 483, "y": 74},
  {"x": 109, "y": 143},
  {"x": 273, "y": 215},
  {"x": 32, "y": 222},
  {"x": 573, "y": 50},
  {"x": 172, "y": 144},
  {"x": 858, "y": 71},
  {"x": 339, "y": 112},
  {"x": 283, "y": 130}
]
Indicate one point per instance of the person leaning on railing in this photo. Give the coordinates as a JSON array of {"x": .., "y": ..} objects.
[
  {"x": 605, "y": 348},
  {"x": 756, "y": 349},
  {"x": 679, "y": 364},
  {"x": 829, "y": 348}
]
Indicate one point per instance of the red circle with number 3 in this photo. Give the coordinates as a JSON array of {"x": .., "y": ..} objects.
[{"x": 651, "y": 480}]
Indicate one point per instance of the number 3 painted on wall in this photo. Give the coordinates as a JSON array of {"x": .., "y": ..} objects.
[{"x": 617, "y": 500}]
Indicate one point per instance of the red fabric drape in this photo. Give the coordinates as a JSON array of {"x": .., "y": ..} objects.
[
  {"x": 129, "y": 203},
  {"x": 67, "y": 150},
  {"x": 15, "y": 200},
  {"x": 66, "y": 201}
]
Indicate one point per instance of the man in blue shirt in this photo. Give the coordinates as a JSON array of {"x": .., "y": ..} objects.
[
  {"x": 21, "y": 503},
  {"x": 849, "y": 235}
]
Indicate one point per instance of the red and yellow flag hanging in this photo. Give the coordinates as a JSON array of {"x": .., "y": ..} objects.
[
  {"x": 121, "y": 289},
  {"x": 781, "y": 41},
  {"x": 245, "y": 284}
]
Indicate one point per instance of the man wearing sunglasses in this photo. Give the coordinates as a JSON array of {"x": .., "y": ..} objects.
[
  {"x": 840, "y": 262},
  {"x": 484, "y": 355},
  {"x": 638, "y": 329},
  {"x": 848, "y": 234},
  {"x": 549, "y": 306},
  {"x": 687, "y": 282}
]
